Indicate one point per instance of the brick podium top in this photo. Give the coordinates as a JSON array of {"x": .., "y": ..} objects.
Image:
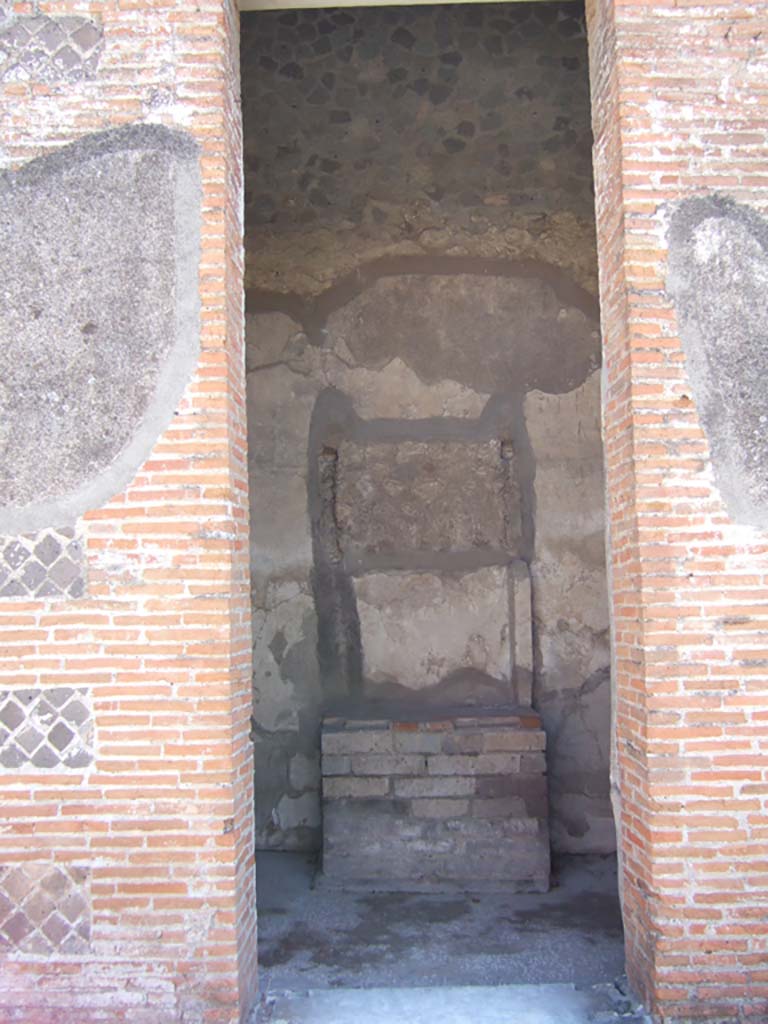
[{"x": 402, "y": 715}]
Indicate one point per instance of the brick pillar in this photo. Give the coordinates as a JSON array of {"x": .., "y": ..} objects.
[
  {"x": 126, "y": 856},
  {"x": 680, "y": 101}
]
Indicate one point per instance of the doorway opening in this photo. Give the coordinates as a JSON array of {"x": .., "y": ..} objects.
[{"x": 427, "y": 532}]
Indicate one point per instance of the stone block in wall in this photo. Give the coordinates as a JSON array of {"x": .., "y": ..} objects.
[
  {"x": 43, "y": 49},
  {"x": 438, "y": 816},
  {"x": 47, "y": 730},
  {"x": 47, "y": 564},
  {"x": 417, "y": 628},
  {"x": 45, "y": 909},
  {"x": 426, "y": 496}
]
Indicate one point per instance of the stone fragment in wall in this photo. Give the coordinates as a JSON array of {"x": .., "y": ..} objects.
[
  {"x": 419, "y": 628},
  {"x": 396, "y": 392}
]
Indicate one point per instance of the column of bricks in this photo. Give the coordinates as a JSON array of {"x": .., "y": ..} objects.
[
  {"x": 126, "y": 863},
  {"x": 680, "y": 99}
]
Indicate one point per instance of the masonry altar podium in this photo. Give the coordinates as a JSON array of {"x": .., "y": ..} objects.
[{"x": 439, "y": 800}]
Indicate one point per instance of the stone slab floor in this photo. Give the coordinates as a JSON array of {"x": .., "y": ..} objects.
[{"x": 330, "y": 957}]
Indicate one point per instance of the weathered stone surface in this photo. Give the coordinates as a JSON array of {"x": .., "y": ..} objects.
[
  {"x": 718, "y": 269},
  {"x": 565, "y": 426},
  {"x": 366, "y": 844},
  {"x": 298, "y": 812},
  {"x": 283, "y": 632},
  {"x": 425, "y": 496},
  {"x": 304, "y": 772},
  {"x": 99, "y": 250},
  {"x": 521, "y": 625},
  {"x": 418, "y": 628},
  {"x": 487, "y": 333}
]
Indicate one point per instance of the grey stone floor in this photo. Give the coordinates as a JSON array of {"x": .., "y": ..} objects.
[
  {"x": 501, "y": 1004},
  {"x": 328, "y": 957}
]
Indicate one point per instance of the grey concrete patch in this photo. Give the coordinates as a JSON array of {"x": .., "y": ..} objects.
[
  {"x": 717, "y": 278},
  {"x": 41, "y": 49},
  {"x": 99, "y": 250}
]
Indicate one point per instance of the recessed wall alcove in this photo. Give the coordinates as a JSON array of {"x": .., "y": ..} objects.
[{"x": 425, "y": 460}]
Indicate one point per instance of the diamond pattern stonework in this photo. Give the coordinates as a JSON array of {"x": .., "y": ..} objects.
[
  {"x": 45, "y": 908},
  {"x": 50, "y": 564},
  {"x": 45, "y": 729},
  {"x": 42, "y": 49}
]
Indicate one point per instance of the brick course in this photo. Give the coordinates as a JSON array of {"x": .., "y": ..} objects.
[{"x": 679, "y": 94}]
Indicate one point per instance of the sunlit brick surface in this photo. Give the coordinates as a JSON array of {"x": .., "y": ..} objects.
[
  {"x": 679, "y": 102},
  {"x": 160, "y": 815}
]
